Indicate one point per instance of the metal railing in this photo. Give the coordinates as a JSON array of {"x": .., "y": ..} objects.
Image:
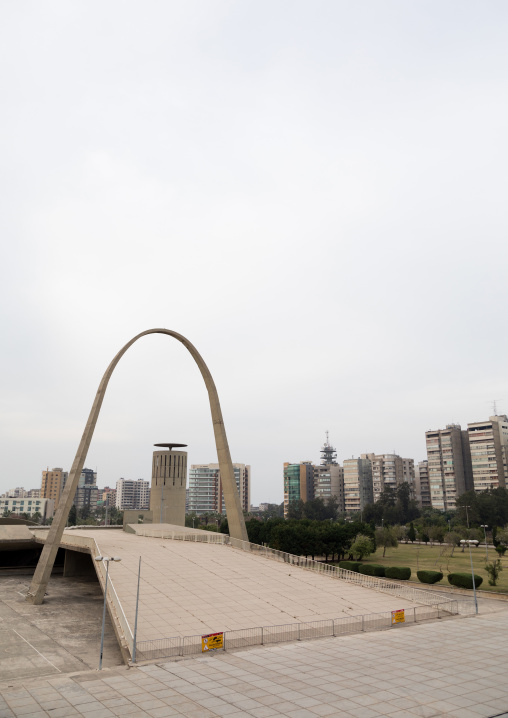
[
  {"x": 383, "y": 585},
  {"x": 191, "y": 535},
  {"x": 263, "y": 635}
]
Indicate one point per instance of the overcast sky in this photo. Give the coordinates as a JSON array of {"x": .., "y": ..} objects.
[{"x": 314, "y": 193}]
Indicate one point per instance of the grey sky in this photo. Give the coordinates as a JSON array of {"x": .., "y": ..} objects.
[{"x": 314, "y": 193}]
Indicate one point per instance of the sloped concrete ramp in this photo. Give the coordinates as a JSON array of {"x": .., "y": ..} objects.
[{"x": 190, "y": 588}]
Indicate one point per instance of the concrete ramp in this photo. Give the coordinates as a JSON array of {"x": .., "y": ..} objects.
[{"x": 10, "y": 534}]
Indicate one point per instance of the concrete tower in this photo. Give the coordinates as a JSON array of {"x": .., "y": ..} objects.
[{"x": 169, "y": 482}]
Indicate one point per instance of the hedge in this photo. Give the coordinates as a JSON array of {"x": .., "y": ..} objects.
[
  {"x": 464, "y": 580},
  {"x": 350, "y": 565},
  {"x": 372, "y": 569},
  {"x": 403, "y": 573},
  {"x": 429, "y": 576}
]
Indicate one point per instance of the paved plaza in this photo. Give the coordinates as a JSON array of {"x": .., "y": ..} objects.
[
  {"x": 454, "y": 668},
  {"x": 192, "y": 588}
]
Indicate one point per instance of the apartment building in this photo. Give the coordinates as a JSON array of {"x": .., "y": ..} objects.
[
  {"x": 422, "y": 486},
  {"x": 298, "y": 483},
  {"x": 328, "y": 482},
  {"x": 488, "y": 441},
  {"x": 132, "y": 494},
  {"x": 205, "y": 494},
  {"x": 448, "y": 465},
  {"x": 357, "y": 483},
  {"x": 53, "y": 483},
  {"x": 27, "y": 505},
  {"x": 387, "y": 472},
  {"x": 16, "y": 493},
  {"x": 408, "y": 475},
  {"x": 87, "y": 493},
  {"x": 108, "y": 496}
]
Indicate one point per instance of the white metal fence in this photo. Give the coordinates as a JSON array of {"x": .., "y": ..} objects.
[{"x": 263, "y": 635}]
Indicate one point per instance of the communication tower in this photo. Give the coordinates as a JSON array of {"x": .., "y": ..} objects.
[{"x": 328, "y": 453}]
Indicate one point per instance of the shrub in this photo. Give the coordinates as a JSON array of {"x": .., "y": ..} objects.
[
  {"x": 429, "y": 576},
  {"x": 403, "y": 573},
  {"x": 500, "y": 548},
  {"x": 372, "y": 569},
  {"x": 464, "y": 580},
  {"x": 350, "y": 565},
  {"x": 494, "y": 569}
]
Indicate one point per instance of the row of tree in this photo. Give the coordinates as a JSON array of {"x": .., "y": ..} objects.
[{"x": 304, "y": 537}]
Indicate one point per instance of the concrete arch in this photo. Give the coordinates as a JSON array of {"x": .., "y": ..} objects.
[{"x": 231, "y": 497}]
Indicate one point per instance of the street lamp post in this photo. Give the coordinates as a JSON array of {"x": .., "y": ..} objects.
[
  {"x": 134, "y": 640},
  {"x": 469, "y": 542},
  {"x": 106, "y": 560},
  {"x": 485, "y": 527}
]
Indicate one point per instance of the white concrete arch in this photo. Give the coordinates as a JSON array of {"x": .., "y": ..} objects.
[{"x": 231, "y": 497}]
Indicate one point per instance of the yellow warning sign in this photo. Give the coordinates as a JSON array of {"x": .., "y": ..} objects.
[
  {"x": 398, "y": 616},
  {"x": 212, "y": 641}
]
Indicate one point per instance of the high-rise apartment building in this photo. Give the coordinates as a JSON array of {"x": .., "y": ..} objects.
[
  {"x": 357, "y": 483},
  {"x": 390, "y": 471},
  {"x": 422, "y": 487},
  {"x": 131, "y": 494},
  {"x": 298, "y": 483},
  {"x": 53, "y": 483},
  {"x": 488, "y": 441},
  {"x": 87, "y": 493},
  {"x": 328, "y": 482},
  {"x": 387, "y": 472},
  {"x": 408, "y": 475},
  {"x": 205, "y": 495},
  {"x": 448, "y": 465}
]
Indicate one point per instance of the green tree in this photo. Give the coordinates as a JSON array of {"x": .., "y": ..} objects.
[
  {"x": 362, "y": 546},
  {"x": 401, "y": 532},
  {"x": 494, "y": 569},
  {"x": 73, "y": 515},
  {"x": 84, "y": 512},
  {"x": 192, "y": 520},
  {"x": 502, "y": 536},
  {"x": 436, "y": 533},
  {"x": 296, "y": 509},
  {"x": 386, "y": 538},
  {"x": 423, "y": 533},
  {"x": 411, "y": 534},
  {"x": 452, "y": 538}
]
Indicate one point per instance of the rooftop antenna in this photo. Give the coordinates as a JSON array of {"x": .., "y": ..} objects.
[
  {"x": 328, "y": 453},
  {"x": 494, "y": 407}
]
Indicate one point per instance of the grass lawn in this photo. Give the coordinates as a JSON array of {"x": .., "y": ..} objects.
[{"x": 438, "y": 558}]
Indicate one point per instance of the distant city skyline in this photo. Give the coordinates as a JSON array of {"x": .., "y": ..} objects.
[
  {"x": 258, "y": 492},
  {"x": 315, "y": 197}
]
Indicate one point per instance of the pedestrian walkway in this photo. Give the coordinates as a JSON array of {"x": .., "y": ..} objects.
[{"x": 453, "y": 668}]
